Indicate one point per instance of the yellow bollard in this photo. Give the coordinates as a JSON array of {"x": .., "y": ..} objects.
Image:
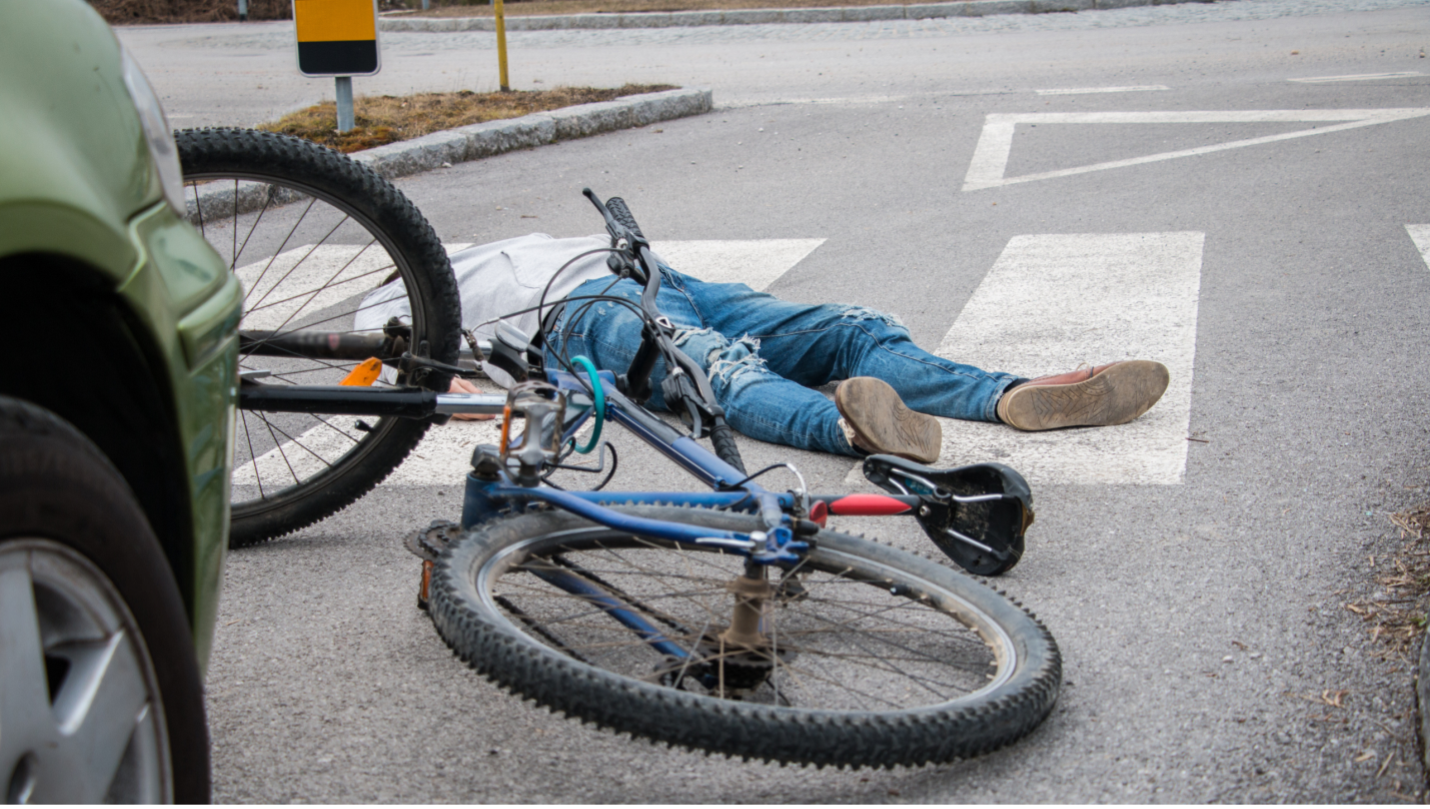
[{"x": 501, "y": 46}]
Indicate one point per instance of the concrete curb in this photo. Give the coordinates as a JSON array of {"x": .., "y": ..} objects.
[
  {"x": 473, "y": 142},
  {"x": 459, "y": 145},
  {"x": 678, "y": 19}
]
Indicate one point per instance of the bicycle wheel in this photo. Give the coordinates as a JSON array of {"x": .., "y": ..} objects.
[
  {"x": 313, "y": 235},
  {"x": 867, "y": 656}
]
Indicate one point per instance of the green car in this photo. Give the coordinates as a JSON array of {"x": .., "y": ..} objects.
[{"x": 116, "y": 426}]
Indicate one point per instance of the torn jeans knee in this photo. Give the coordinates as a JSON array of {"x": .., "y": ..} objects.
[
  {"x": 727, "y": 362},
  {"x": 856, "y": 313}
]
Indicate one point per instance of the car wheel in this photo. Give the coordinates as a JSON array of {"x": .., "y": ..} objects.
[{"x": 100, "y": 693}]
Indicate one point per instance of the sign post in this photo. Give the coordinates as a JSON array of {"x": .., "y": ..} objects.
[
  {"x": 338, "y": 38},
  {"x": 501, "y": 47}
]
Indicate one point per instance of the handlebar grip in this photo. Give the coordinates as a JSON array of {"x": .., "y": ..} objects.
[
  {"x": 622, "y": 214},
  {"x": 724, "y": 440}
]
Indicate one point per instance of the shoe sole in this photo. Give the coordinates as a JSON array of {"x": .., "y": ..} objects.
[
  {"x": 1115, "y": 396},
  {"x": 884, "y": 424}
]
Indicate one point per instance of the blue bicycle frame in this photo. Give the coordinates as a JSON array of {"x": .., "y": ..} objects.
[{"x": 495, "y": 494}]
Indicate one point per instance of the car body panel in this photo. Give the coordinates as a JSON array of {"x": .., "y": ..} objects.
[
  {"x": 69, "y": 132},
  {"x": 77, "y": 184},
  {"x": 200, "y": 348}
]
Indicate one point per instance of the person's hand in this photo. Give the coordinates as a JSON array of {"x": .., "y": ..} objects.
[{"x": 463, "y": 386}]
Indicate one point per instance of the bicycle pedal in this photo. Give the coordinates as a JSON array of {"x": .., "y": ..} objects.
[{"x": 427, "y": 544}]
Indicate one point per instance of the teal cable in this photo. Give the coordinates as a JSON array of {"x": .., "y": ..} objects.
[{"x": 600, "y": 397}]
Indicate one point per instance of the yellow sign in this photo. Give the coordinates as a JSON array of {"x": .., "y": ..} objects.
[{"x": 336, "y": 37}]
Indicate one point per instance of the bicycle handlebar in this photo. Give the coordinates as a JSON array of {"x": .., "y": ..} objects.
[
  {"x": 622, "y": 214},
  {"x": 621, "y": 224}
]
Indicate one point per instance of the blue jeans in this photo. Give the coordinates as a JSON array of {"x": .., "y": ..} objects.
[{"x": 764, "y": 355}]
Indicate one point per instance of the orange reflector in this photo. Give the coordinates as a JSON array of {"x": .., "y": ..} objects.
[{"x": 365, "y": 374}]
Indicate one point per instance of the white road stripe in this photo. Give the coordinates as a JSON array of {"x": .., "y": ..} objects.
[
  {"x": 1053, "y": 302},
  {"x": 755, "y": 263},
  {"x": 1358, "y": 77},
  {"x": 990, "y": 156},
  {"x": 445, "y": 452},
  {"x": 1085, "y": 90},
  {"x": 1420, "y": 234}
]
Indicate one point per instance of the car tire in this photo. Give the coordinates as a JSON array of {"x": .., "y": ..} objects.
[{"x": 101, "y": 698}]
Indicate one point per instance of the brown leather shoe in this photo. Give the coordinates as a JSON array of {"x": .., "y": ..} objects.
[
  {"x": 882, "y": 424},
  {"x": 1108, "y": 394}
]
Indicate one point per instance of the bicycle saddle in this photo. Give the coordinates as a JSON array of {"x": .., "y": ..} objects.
[{"x": 975, "y": 514}]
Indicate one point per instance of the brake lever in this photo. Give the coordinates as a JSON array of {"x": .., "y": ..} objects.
[{"x": 626, "y": 262}]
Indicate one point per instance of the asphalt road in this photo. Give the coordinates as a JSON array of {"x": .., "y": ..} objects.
[{"x": 1196, "y": 587}]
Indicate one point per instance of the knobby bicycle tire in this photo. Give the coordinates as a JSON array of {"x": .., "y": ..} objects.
[
  {"x": 885, "y": 659},
  {"x": 311, "y": 233}
]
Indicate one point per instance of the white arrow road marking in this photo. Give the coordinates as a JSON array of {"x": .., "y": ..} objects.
[
  {"x": 1054, "y": 302},
  {"x": 990, "y": 156},
  {"x": 1359, "y": 77},
  {"x": 1143, "y": 88},
  {"x": 1420, "y": 234},
  {"x": 445, "y": 452}
]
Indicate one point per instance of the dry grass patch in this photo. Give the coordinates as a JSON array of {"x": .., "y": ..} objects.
[
  {"x": 145, "y": 12},
  {"x": 379, "y": 120},
  {"x": 1397, "y": 616},
  {"x": 534, "y": 8}
]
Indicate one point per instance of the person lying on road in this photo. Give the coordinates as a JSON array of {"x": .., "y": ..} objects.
[{"x": 765, "y": 356}]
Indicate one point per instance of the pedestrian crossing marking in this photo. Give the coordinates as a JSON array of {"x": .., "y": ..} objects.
[
  {"x": 756, "y": 263},
  {"x": 1141, "y": 88},
  {"x": 995, "y": 143},
  {"x": 1054, "y": 302},
  {"x": 1357, "y": 77},
  {"x": 1420, "y": 234}
]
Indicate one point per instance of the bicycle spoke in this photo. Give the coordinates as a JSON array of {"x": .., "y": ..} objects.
[
  {"x": 336, "y": 429},
  {"x": 279, "y": 446},
  {"x": 295, "y": 442},
  {"x": 310, "y": 293},
  {"x": 199, "y": 208},
  {"x": 276, "y": 253},
  {"x": 253, "y": 458},
  {"x": 323, "y": 288},
  {"x": 817, "y": 644}
]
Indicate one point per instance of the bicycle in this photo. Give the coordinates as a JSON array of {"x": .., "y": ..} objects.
[{"x": 731, "y": 621}]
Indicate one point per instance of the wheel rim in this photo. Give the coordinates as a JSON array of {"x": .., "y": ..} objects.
[
  {"x": 848, "y": 643},
  {"x": 306, "y": 261},
  {"x": 81, "y": 717}
]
